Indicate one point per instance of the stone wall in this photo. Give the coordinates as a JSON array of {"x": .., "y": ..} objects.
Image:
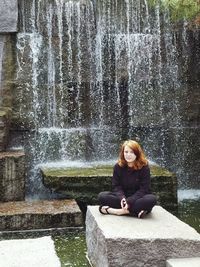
[
  {"x": 12, "y": 176},
  {"x": 63, "y": 77},
  {"x": 8, "y": 16},
  {"x": 12, "y": 163},
  {"x": 73, "y": 57},
  {"x": 4, "y": 128}
]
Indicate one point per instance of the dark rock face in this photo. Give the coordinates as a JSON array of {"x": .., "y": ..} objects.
[
  {"x": 4, "y": 128},
  {"x": 8, "y": 16},
  {"x": 12, "y": 176}
]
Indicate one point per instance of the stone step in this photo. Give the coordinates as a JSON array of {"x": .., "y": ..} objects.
[
  {"x": 184, "y": 262},
  {"x": 85, "y": 183},
  {"x": 37, "y": 252},
  {"x": 115, "y": 241},
  {"x": 12, "y": 176},
  {"x": 39, "y": 214}
]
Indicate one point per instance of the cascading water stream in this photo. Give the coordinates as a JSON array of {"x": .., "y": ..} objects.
[
  {"x": 1, "y": 60},
  {"x": 97, "y": 72}
]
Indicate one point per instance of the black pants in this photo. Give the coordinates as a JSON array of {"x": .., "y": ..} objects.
[{"x": 111, "y": 199}]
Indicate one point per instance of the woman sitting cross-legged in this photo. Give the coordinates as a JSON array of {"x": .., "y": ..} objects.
[{"x": 131, "y": 194}]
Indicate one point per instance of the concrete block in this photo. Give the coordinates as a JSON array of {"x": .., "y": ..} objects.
[
  {"x": 8, "y": 16},
  {"x": 39, "y": 214},
  {"x": 115, "y": 241},
  {"x": 38, "y": 252},
  {"x": 184, "y": 262}
]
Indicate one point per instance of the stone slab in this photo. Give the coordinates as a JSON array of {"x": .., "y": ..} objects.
[
  {"x": 40, "y": 214},
  {"x": 184, "y": 262},
  {"x": 8, "y": 16},
  {"x": 38, "y": 252},
  {"x": 114, "y": 241}
]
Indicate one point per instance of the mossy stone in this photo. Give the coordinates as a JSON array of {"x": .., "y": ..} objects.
[{"x": 84, "y": 184}]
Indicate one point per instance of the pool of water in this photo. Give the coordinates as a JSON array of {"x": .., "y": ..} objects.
[
  {"x": 71, "y": 249},
  {"x": 189, "y": 207}
]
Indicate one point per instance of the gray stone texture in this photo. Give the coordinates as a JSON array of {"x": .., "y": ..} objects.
[
  {"x": 4, "y": 128},
  {"x": 40, "y": 214},
  {"x": 8, "y": 15},
  {"x": 115, "y": 241},
  {"x": 7, "y": 69},
  {"x": 12, "y": 176},
  {"x": 38, "y": 252},
  {"x": 184, "y": 262}
]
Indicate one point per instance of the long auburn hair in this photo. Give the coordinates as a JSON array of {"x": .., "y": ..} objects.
[{"x": 140, "y": 160}]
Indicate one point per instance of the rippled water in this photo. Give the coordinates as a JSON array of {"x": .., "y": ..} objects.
[
  {"x": 188, "y": 208},
  {"x": 71, "y": 249}
]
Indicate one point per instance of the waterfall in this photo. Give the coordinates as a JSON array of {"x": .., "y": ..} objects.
[
  {"x": 1, "y": 60},
  {"x": 93, "y": 73}
]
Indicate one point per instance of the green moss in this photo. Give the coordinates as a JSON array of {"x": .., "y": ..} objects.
[
  {"x": 101, "y": 170},
  {"x": 79, "y": 172},
  {"x": 2, "y": 113},
  {"x": 159, "y": 171},
  {"x": 5, "y": 111},
  {"x": 179, "y": 9}
]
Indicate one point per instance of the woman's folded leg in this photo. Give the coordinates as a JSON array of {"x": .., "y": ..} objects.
[
  {"x": 110, "y": 199},
  {"x": 145, "y": 203}
]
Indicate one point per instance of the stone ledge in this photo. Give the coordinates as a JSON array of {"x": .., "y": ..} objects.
[
  {"x": 115, "y": 241},
  {"x": 40, "y": 214},
  {"x": 85, "y": 183},
  {"x": 38, "y": 252},
  {"x": 184, "y": 262},
  {"x": 12, "y": 154}
]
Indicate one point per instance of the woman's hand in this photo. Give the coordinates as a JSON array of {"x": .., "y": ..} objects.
[{"x": 124, "y": 204}]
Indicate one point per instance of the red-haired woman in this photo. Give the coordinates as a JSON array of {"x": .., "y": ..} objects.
[{"x": 131, "y": 192}]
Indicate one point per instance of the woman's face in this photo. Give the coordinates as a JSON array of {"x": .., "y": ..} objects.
[{"x": 129, "y": 155}]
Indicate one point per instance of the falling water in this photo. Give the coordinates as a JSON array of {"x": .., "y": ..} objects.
[
  {"x": 1, "y": 60},
  {"x": 93, "y": 73}
]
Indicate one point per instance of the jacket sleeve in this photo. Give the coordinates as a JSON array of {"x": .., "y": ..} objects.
[
  {"x": 116, "y": 185},
  {"x": 145, "y": 182}
]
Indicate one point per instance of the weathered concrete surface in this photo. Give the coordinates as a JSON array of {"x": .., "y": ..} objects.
[
  {"x": 7, "y": 70},
  {"x": 85, "y": 183},
  {"x": 38, "y": 252},
  {"x": 184, "y": 262},
  {"x": 12, "y": 176},
  {"x": 8, "y": 15},
  {"x": 117, "y": 241},
  {"x": 24, "y": 215},
  {"x": 4, "y": 127}
]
